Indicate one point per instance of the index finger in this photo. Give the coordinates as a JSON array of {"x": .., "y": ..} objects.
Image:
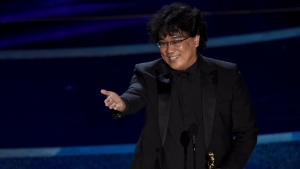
[{"x": 105, "y": 92}]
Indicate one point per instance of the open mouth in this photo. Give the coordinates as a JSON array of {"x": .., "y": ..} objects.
[{"x": 173, "y": 58}]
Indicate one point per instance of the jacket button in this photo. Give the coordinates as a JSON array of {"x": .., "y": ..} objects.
[{"x": 157, "y": 149}]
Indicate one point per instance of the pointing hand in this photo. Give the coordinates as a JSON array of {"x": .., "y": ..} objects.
[{"x": 113, "y": 101}]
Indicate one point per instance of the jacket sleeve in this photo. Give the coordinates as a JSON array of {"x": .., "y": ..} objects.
[
  {"x": 244, "y": 125},
  {"x": 135, "y": 96}
]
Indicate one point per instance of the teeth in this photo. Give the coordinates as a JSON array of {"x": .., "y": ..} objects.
[{"x": 173, "y": 58}]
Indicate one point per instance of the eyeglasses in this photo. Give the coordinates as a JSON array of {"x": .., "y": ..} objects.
[{"x": 174, "y": 43}]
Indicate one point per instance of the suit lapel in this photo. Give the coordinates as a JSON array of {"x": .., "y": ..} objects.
[
  {"x": 164, "y": 100},
  {"x": 209, "y": 81}
]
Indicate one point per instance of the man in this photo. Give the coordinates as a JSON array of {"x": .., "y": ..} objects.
[{"x": 198, "y": 110}]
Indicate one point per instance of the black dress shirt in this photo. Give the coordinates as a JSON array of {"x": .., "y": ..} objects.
[{"x": 185, "y": 104}]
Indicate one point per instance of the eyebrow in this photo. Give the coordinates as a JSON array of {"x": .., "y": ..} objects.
[{"x": 172, "y": 37}]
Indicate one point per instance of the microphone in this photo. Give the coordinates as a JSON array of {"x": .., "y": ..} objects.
[{"x": 193, "y": 131}]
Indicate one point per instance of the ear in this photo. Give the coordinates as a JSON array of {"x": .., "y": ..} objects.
[{"x": 197, "y": 40}]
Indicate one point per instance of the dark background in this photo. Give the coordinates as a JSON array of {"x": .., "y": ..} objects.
[{"x": 47, "y": 102}]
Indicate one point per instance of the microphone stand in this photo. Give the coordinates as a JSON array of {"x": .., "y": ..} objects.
[
  {"x": 193, "y": 131},
  {"x": 194, "y": 150},
  {"x": 185, "y": 141}
]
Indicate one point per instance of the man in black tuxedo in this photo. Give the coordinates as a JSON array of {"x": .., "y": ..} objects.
[{"x": 183, "y": 88}]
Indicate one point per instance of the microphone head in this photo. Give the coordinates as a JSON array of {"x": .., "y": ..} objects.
[{"x": 193, "y": 130}]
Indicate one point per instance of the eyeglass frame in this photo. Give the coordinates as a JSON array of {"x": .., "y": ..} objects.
[{"x": 172, "y": 43}]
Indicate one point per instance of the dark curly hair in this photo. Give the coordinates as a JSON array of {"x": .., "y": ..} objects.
[{"x": 178, "y": 17}]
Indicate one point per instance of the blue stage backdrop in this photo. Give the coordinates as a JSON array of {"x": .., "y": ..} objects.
[{"x": 55, "y": 56}]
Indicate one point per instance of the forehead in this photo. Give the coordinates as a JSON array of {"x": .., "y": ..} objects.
[{"x": 164, "y": 35}]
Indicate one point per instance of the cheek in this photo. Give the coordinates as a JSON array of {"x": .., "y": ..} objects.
[
  {"x": 164, "y": 57},
  {"x": 162, "y": 52},
  {"x": 182, "y": 49}
]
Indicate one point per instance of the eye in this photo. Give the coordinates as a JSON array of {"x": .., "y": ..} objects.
[
  {"x": 176, "y": 42},
  {"x": 162, "y": 43}
]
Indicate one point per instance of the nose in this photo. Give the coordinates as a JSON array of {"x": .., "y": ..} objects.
[{"x": 170, "y": 48}]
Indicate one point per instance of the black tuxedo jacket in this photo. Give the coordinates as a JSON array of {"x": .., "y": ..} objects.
[{"x": 229, "y": 122}]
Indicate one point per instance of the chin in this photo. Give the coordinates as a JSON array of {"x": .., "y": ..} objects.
[
  {"x": 174, "y": 65},
  {"x": 175, "y": 68}
]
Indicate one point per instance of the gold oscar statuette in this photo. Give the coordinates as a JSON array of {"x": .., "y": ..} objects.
[{"x": 211, "y": 160}]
